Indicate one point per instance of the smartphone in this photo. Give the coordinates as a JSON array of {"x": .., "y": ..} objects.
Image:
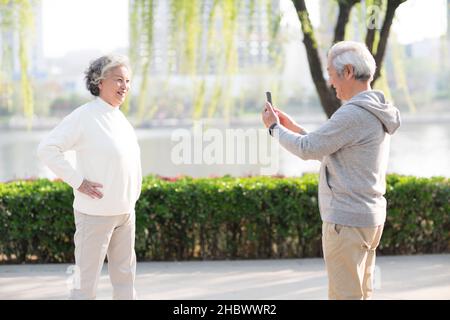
[{"x": 269, "y": 97}]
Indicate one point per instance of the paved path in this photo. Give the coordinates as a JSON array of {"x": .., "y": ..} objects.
[{"x": 397, "y": 277}]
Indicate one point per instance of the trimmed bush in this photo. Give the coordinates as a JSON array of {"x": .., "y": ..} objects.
[{"x": 220, "y": 218}]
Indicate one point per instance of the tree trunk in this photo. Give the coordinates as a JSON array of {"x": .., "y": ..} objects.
[
  {"x": 384, "y": 35},
  {"x": 327, "y": 97},
  {"x": 345, "y": 6},
  {"x": 326, "y": 93}
]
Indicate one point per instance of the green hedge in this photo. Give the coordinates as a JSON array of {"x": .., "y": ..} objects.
[{"x": 220, "y": 218}]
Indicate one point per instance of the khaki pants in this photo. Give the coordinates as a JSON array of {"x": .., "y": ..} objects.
[
  {"x": 96, "y": 237},
  {"x": 349, "y": 254}
]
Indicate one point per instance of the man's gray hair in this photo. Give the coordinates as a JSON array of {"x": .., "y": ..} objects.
[
  {"x": 355, "y": 54},
  {"x": 98, "y": 69}
]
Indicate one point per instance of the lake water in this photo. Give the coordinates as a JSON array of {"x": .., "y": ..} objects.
[{"x": 421, "y": 148}]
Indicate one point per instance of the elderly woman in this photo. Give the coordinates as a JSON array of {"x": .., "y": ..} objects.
[{"x": 106, "y": 180}]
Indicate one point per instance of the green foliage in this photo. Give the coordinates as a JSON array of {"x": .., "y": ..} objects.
[
  {"x": 36, "y": 219},
  {"x": 221, "y": 218},
  {"x": 207, "y": 42},
  {"x": 418, "y": 219},
  {"x": 16, "y": 18}
]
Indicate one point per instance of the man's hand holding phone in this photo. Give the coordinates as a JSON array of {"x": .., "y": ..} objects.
[
  {"x": 283, "y": 118},
  {"x": 286, "y": 120},
  {"x": 269, "y": 116}
]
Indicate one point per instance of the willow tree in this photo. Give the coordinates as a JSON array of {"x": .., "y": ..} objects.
[
  {"x": 376, "y": 40},
  {"x": 16, "y": 22},
  {"x": 202, "y": 40}
]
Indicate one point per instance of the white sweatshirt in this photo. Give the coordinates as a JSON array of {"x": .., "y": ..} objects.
[{"x": 107, "y": 152}]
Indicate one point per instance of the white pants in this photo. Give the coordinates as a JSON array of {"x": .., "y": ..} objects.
[{"x": 96, "y": 237}]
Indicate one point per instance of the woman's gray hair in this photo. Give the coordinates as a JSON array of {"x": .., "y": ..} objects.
[
  {"x": 98, "y": 69},
  {"x": 355, "y": 54}
]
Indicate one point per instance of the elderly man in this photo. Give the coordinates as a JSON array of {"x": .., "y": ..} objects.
[{"x": 353, "y": 146}]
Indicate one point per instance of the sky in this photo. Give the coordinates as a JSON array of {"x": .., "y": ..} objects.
[
  {"x": 420, "y": 19},
  {"x": 73, "y": 25}
]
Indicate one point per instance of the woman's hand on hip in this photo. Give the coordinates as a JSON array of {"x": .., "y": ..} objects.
[{"x": 90, "y": 188}]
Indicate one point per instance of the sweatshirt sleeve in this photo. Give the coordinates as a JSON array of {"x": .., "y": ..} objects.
[
  {"x": 62, "y": 138},
  {"x": 337, "y": 132}
]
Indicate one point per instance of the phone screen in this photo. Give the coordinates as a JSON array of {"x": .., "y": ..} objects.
[{"x": 269, "y": 97}]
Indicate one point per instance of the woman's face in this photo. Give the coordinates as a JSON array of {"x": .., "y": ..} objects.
[{"x": 114, "y": 88}]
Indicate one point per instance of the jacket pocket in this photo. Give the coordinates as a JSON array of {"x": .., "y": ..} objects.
[
  {"x": 324, "y": 186},
  {"x": 327, "y": 178},
  {"x": 325, "y": 192}
]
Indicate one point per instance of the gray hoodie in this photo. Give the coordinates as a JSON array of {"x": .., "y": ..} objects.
[{"x": 353, "y": 146}]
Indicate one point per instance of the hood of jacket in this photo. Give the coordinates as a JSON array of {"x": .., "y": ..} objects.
[{"x": 375, "y": 102}]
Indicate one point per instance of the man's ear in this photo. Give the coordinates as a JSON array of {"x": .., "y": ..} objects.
[{"x": 348, "y": 72}]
